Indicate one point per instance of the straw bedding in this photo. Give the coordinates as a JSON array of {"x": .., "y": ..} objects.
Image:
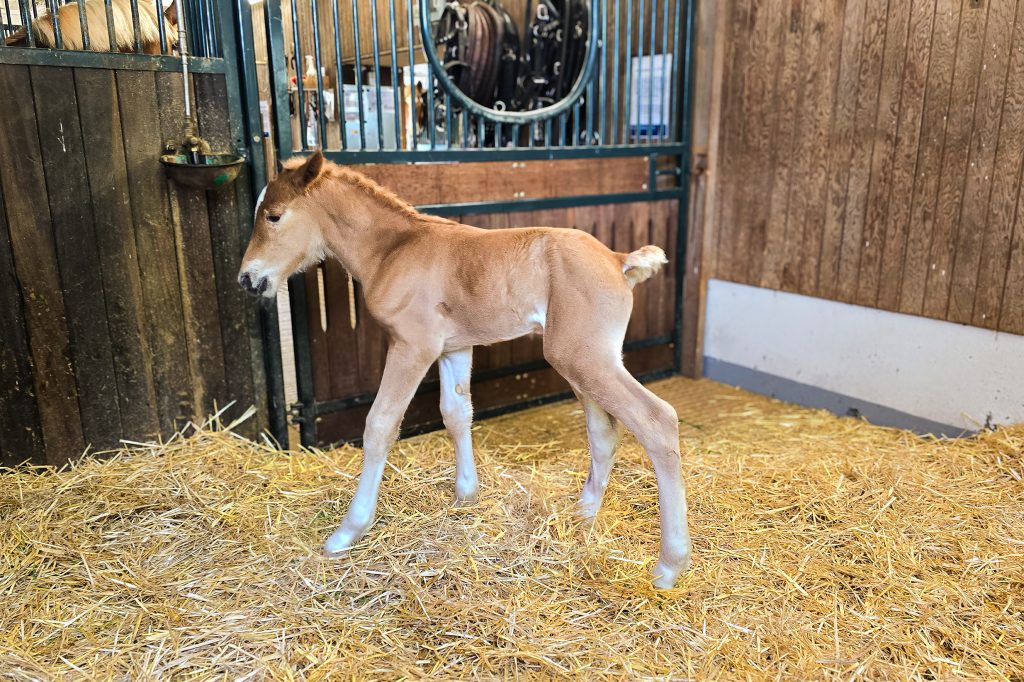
[{"x": 824, "y": 548}]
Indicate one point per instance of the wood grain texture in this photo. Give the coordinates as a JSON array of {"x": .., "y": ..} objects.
[
  {"x": 886, "y": 132},
  {"x": 893, "y": 151},
  {"x": 1006, "y": 182},
  {"x": 35, "y": 262},
  {"x": 869, "y": 78},
  {"x": 995, "y": 48},
  {"x": 71, "y": 216},
  {"x": 783, "y": 158},
  {"x": 820, "y": 69},
  {"x": 191, "y": 221},
  {"x": 118, "y": 257},
  {"x": 93, "y": 343},
  {"x": 440, "y": 183},
  {"x": 156, "y": 245},
  {"x": 904, "y": 165},
  {"x": 758, "y": 103},
  {"x": 955, "y": 156},
  {"x": 21, "y": 436},
  {"x": 229, "y": 224},
  {"x": 841, "y": 143},
  {"x": 929, "y": 158}
]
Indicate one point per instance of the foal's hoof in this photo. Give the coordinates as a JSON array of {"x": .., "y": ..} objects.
[
  {"x": 343, "y": 539},
  {"x": 586, "y": 510},
  {"x": 665, "y": 575},
  {"x": 467, "y": 500}
]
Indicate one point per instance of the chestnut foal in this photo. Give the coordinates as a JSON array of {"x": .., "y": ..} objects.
[{"x": 439, "y": 288}]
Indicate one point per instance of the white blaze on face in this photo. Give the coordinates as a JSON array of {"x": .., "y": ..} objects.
[{"x": 259, "y": 202}]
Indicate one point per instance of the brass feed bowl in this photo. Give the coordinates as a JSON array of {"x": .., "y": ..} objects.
[{"x": 213, "y": 170}]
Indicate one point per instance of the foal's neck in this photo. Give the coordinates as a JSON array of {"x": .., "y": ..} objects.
[{"x": 363, "y": 227}]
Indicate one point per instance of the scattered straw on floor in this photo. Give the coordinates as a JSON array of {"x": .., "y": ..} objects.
[{"x": 824, "y": 548}]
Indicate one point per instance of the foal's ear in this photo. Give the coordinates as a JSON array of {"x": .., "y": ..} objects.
[{"x": 312, "y": 168}]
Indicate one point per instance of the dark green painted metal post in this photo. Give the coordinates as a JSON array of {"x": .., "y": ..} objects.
[{"x": 247, "y": 131}]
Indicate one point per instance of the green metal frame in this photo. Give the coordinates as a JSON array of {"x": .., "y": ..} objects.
[
  {"x": 307, "y": 409},
  {"x": 38, "y": 56}
]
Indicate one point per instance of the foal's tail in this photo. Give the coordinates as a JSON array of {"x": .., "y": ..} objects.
[{"x": 642, "y": 264}]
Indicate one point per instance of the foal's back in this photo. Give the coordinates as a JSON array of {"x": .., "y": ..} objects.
[{"x": 495, "y": 285}]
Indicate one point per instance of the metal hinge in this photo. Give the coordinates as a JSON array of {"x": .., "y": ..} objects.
[{"x": 295, "y": 413}]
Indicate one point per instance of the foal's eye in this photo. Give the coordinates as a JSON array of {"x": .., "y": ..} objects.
[{"x": 273, "y": 218}]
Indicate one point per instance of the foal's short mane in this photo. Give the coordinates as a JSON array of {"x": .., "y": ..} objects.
[{"x": 375, "y": 191}]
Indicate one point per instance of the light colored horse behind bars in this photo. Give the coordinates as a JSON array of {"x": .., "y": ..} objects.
[{"x": 439, "y": 288}]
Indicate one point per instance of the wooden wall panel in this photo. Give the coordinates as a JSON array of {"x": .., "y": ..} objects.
[
  {"x": 870, "y": 152},
  {"x": 121, "y": 315},
  {"x": 439, "y": 183},
  {"x": 34, "y": 253}
]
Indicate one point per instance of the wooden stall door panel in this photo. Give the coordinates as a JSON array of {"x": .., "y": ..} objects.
[
  {"x": 71, "y": 215},
  {"x": 21, "y": 436},
  {"x": 191, "y": 220},
  {"x": 157, "y": 250},
  {"x": 36, "y": 268},
  {"x": 115, "y": 241}
]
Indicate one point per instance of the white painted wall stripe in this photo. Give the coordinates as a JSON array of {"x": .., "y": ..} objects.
[{"x": 939, "y": 371}]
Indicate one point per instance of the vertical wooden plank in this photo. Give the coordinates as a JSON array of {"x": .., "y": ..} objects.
[
  {"x": 230, "y": 220},
  {"x": 738, "y": 25},
  {"x": 21, "y": 435},
  {"x": 763, "y": 69},
  {"x": 820, "y": 70},
  {"x": 732, "y": 30},
  {"x": 341, "y": 337},
  {"x": 1006, "y": 183},
  {"x": 196, "y": 273},
  {"x": 996, "y": 48},
  {"x": 929, "y": 158},
  {"x": 905, "y": 157},
  {"x": 118, "y": 259},
  {"x": 875, "y": 29},
  {"x": 628, "y": 223},
  {"x": 155, "y": 243},
  {"x": 1011, "y": 310},
  {"x": 35, "y": 262},
  {"x": 884, "y": 140},
  {"x": 67, "y": 182},
  {"x": 783, "y": 159},
  {"x": 661, "y": 303},
  {"x": 963, "y": 96},
  {"x": 322, "y": 291},
  {"x": 841, "y": 143}
]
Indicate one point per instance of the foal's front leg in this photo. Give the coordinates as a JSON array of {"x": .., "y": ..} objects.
[{"x": 405, "y": 368}]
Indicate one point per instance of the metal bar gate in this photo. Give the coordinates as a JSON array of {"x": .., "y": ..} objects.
[{"x": 363, "y": 82}]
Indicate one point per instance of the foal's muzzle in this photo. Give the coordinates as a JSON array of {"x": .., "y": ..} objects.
[{"x": 254, "y": 288}]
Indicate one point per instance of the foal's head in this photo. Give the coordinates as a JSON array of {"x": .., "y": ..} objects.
[{"x": 286, "y": 236}]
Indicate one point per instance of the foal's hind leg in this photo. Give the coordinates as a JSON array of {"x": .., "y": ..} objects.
[
  {"x": 655, "y": 425},
  {"x": 598, "y": 372},
  {"x": 457, "y": 412},
  {"x": 603, "y": 434}
]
